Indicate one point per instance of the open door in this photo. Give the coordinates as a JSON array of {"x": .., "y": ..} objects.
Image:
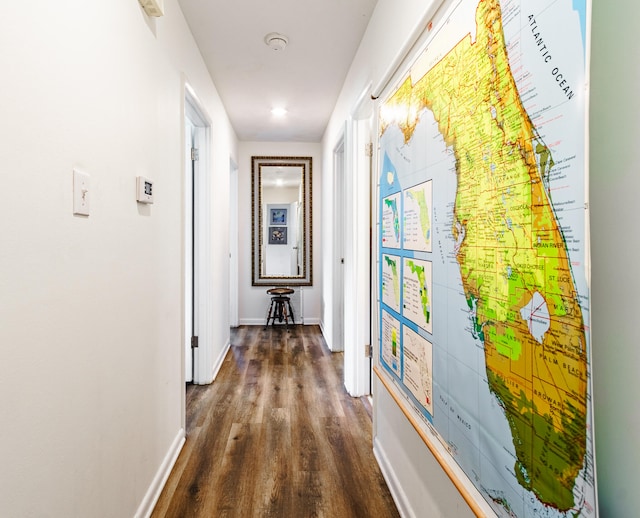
[
  {"x": 197, "y": 297},
  {"x": 339, "y": 224},
  {"x": 190, "y": 232}
]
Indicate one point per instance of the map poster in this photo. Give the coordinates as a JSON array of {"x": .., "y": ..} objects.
[
  {"x": 391, "y": 221},
  {"x": 417, "y": 288},
  {"x": 482, "y": 152},
  {"x": 391, "y": 342},
  {"x": 417, "y": 217},
  {"x": 391, "y": 281},
  {"x": 418, "y": 367}
]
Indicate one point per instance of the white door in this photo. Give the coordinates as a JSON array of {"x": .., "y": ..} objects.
[
  {"x": 189, "y": 280},
  {"x": 193, "y": 135},
  {"x": 233, "y": 244},
  {"x": 194, "y": 194},
  {"x": 338, "y": 247},
  {"x": 356, "y": 201},
  {"x": 294, "y": 238}
]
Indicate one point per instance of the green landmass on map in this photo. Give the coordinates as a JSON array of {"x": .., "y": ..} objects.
[
  {"x": 425, "y": 223},
  {"x": 511, "y": 254},
  {"x": 418, "y": 271},
  {"x": 392, "y": 263},
  {"x": 391, "y": 204}
]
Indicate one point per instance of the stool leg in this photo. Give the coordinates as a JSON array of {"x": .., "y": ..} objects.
[
  {"x": 293, "y": 320},
  {"x": 286, "y": 316},
  {"x": 269, "y": 314}
]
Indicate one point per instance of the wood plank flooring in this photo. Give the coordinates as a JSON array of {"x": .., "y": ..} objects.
[{"x": 276, "y": 435}]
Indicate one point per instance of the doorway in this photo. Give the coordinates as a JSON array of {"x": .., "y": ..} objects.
[
  {"x": 233, "y": 243},
  {"x": 339, "y": 225},
  {"x": 356, "y": 242},
  {"x": 196, "y": 203}
]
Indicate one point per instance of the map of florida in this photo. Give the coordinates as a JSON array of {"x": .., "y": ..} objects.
[
  {"x": 511, "y": 253},
  {"x": 419, "y": 198},
  {"x": 395, "y": 278},
  {"x": 393, "y": 206},
  {"x": 419, "y": 272}
]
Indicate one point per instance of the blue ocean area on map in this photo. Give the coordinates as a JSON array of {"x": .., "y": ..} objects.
[
  {"x": 581, "y": 7},
  {"x": 489, "y": 408},
  {"x": 387, "y": 188}
]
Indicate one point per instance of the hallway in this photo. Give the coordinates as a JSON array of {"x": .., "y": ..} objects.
[{"x": 276, "y": 435}]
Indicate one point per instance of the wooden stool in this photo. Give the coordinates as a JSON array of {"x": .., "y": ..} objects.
[{"x": 280, "y": 307}]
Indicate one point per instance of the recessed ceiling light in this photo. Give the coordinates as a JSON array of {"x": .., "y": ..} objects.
[{"x": 278, "y": 112}]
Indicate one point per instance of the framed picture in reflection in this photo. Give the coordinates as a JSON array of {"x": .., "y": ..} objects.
[
  {"x": 277, "y": 235},
  {"x": 278, "y": 217}
]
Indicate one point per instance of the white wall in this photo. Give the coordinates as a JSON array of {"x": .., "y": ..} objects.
[
  {"x": 615, "y": 182},
  {"x": 253, "y": 301},
  {"x": 420, "y": 487},
  {"x": 388, "y": 29},
  {"x": 91, "y": 389}
]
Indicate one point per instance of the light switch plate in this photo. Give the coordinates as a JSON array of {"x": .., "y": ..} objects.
[
  {"x": 80, "y": 193},
  {"x": 153, "y": 7}
]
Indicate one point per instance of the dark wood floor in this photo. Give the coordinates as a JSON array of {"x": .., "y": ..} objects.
[{"x": 276, "y": 435}]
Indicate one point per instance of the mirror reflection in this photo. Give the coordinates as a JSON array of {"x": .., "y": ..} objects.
[{"x": 281, "y": 220}]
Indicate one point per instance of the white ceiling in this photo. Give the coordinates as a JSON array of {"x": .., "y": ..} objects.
[{"x": 305, "y": 78}]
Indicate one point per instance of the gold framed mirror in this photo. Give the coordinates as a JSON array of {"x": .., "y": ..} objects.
[{"x": 281, "y": 222}]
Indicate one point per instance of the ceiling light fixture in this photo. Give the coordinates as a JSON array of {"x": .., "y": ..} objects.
[
  {"x": 279, "y": 112},
  {"x": 276, "y": 41}
]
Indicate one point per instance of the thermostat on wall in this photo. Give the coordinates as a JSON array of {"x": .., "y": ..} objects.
[{"x": 144, "y": 190}]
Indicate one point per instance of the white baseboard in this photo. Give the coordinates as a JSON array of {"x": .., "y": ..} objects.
[
  {"x": 218, "y": 365},
  {"x": 261, "y": 322},
  {"x": 153, "y": 493},
  {"x": 399, "y": 496},
  {"x": 252, "y": 321},
  {"x": 215, "y": 368}
]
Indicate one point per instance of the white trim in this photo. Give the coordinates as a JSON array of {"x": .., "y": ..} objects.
[
  {"x": 217, "y": 365},
  {"x": 322, "y": 329},
  {"x": 395, "y": 487},
  {"x": 203, "y": 355},
  {"x": 339, "y": 261},
  {"x": 262, "y": 321},
  {"x": 233, "y": 243},
  {"x": 157, "y": 485},
  {"x": 357, "y": 251},
  {"x": 253, "y": 321}
]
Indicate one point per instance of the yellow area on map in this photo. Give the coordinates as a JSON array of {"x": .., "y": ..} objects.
[{"x": 513, "y": 260}]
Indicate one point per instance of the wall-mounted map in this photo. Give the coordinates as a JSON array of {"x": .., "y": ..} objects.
[
  {"x": 391, "y": 281},
  {"x": 391, "y": 221},
  {"x": 417, "y": 289},
  {"x": 391, "y": 342},
  {"x": 482, "y": 202},
  {"x": 417, "y": 217}
]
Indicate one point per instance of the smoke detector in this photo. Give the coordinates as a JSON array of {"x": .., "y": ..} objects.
[{"x": 276, "y": 41}]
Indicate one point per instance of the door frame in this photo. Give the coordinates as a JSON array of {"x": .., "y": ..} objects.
[
  {"x": 233, "y": 244},
  {"x": 358, "y": 243},
  {"x": 338, "y": 257},
  {"x": 193, "y": 110}
]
